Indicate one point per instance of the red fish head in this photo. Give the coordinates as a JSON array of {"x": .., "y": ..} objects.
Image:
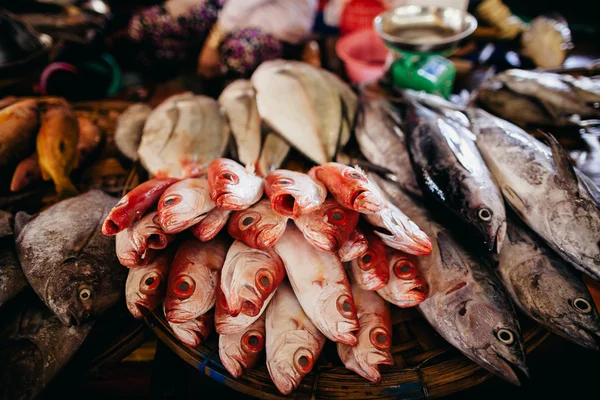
[
  {"x": 293, "y": 194},
  {"x": 329, "y": 227},
  {"x": 355, "y": 246},
  {"x": 117, "y": 218},
  {"x": 231, "y": 186},
  {"x": 258, "y": 226},
  {"x": 408, "y": 284},
  {"x": 371, "y": 270},
  {"x": 184, "y": 204},
  {"x": 145, "y": 287},
  {"x": 189, "y": 294}
]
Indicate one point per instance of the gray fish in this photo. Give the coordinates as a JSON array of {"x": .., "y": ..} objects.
[
  {"x": 35, "y": 346},
  {"x": 130, "y": 127},
  {"x": 544, "y": 287},
  {"x": 382, "y": 141},
  {"x": 542, "y": 187},
  {"x": 451, "y": 171},
  {"x": 466, "y": 303},
  {"x": 12, "y": 279},
  {"x": 67, "y": 260},
  {"x": 589, "y": 162}
]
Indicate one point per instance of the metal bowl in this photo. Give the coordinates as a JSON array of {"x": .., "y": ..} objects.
[{"x": 424, "y": 29}]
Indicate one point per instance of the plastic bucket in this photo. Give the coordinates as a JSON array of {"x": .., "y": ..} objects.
[{"x": 364, "y": 55}]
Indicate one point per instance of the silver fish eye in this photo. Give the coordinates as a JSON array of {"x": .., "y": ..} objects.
[
  {"x": 484, "y": 214},
  {"x": 582, "y": 305},
  {"x": 505, "y": 336},
  {"x": 355, "y": 175},
  {"x": 85, "y": 294}
]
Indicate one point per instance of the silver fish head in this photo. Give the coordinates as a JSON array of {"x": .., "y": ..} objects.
[
  {"x": 487, "y": 214},
  {"x": 337, "y": 312},
  {"x": 295, "y": 354},
  {"x": 77, "y": 292},
  {"x": 184, "y": 204}
]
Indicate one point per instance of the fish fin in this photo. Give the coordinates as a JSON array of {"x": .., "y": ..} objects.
[
  {"x": 21, "y": 219},
  {"x": 450, "y": 257},
  {"x": 562, "y": 163},
  {"x": 515, "y": 201}
]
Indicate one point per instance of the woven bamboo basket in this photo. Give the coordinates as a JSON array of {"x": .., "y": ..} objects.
[{"x": 425, "y": 366}]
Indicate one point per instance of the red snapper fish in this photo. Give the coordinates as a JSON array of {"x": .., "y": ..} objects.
[
  {"x": 134, "y": 205},
  {"x": 194, "y": 331},
  {"x": 374, "y": 336},
  {"x": 371, "y": 271},
  {"x": 321, "y": 285},
  {"x": 328, "y": 227},
  {"x": 406, "y": 287},
  {"x": 126, "y": 252},
  {"x": 259, "y": 226},
  {"x": 248, "y": 278},
  {"x": 147, "y": 234},
  {"x": 240, "y": 352},
  {"x": 293, "y": 342},
  {"x": 146, "y": 285},
  {"x": 193, "y": 279},
  {"x": 226, "y": 324},
  {"x": 184, "y": 204},
  {"x": 356, "y": 245},
  {"x": 210, "y": 226},
  {"x": 293, "y": 194},
  {"x": 233, "y": 187},
  {"x": 350, "y": 187}
]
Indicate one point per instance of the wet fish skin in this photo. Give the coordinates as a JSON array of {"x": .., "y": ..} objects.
[
  {"x": 147, "y": 234},
  {"x": 210, "y": 226},
  {"x": 26, "y": 174},
  {"x": 135, "y": 204},
  {"x": 193, "y": 279},
  {"x": 70, "y": 264},
  {"x": 350, "y": 187},
  {"x": 130, "y": 127},
  {"x": 293, "y": 342},
  {"x": 34, "y": 348},
  {"x": 182, "y": 135},
  {"x": 451, "y": 171},
  {"x": 12, "y": 279},
  {"x": 382, "y": 141},
  {"x": 6, "y": 224},
  {"x": 466, "y": 303},
  {"x": 249, "y": 277},
  {"x": 542, "y": 187},
  {"x": 233, "y": 187},
  {"x": 240, "y": 352},
  {"x": 225, "y": 324},
  {"x": 146, "y": 285},
  {"x": 7, "y": 101},
  {"x": 293, "y": 194},
  {"x": 374, "y": 337},
  {"x": 355, "y": 246},
  {"x": 321, "y": 286},
  {"x": 18, "y": 127},
  {"x": 127, "y": 253},
  {"x": 259, "y": 226},
  {"x": 194, "y": 331},
  {"x": 521, "y": 110},
  {"x": 238, "y": 100},
  {"x": 56, "y": 146},
  {"x": 547, "y": 289},
  {"x": 406, "y": 287},
  {"x": 328, "y": 227},
  {"x": 371, "y": 271},
  {"x": 184, "y": 204},
  {"x": 274, "y": 151}
]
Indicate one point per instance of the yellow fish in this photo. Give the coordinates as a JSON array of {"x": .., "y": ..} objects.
[
  {"x": 18, "y": 124},
  {"x": 57, "y": 146}
]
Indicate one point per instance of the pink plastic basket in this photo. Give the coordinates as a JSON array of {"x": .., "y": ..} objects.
[{"x": 364, "y": 55}]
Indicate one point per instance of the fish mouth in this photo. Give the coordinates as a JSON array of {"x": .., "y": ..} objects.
[
  {"x": 229, "y": 201},
  {"x": 245, "y": 300},
  {"x": 510, "y": 371},
  {"x": 284, "y": 382},
  {"x": 156, "y": 241},
  {"x": 346, "y": 332},
  {"x": 267, "y": 236},
  {"x": 414, "y": 244},
  {"x": 498, "y": 239},
  {"x": 110, "y": 227},
  {"x": 138, "y": 309},
  {"x": 284, "y": 204},
  {"x": 233, "y": 366},
  {"x": 580, "y": 335},
  {"x": 366, "y": 201},
  {"x": 326, "y": 241}
]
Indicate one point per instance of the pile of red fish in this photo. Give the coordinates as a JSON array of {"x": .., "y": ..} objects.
[{"x": 307, "y": 227}]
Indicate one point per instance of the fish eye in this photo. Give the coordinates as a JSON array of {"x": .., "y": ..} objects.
[
  {"x": 150, "y": 282},
  {"x": 345, "y": 306},
  {"x": 253, "y": 341},
  {"x": 171, "y": 200},
  {"x": 354, "y": 174},
  {"x": 404, "y": 269},
  {"x": 228, "y": 176},
  {"x": 248, "y": 219},
  {"x": 284, "y": 181},
  {"x": 264, "y": 280},
  {"x": 380, "y": 338},
  {"x": 184, "y": 287},
  {"x": 303, "y": 360},
  {"x": 367, "y": 260},
  {"x": 582, "y": 305},
  {"x": 336, "y": 216},
  {"x": 505, "y": 336},
  {"x": 484, "y": 214},
  {"x": 85, "y": 294}
]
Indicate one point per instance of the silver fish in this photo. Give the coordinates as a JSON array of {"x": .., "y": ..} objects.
[
  {"x": 542, "y": 187},
  {"x": 466, "y": 303},
  {"x": 130, "y": 127},
  {"x": 12, "y": 279},
  {"x": 547, "y": 289},
  {"x": 239, "y": 103}
]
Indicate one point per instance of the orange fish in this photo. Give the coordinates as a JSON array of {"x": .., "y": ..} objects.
[{"x": 18, "y": 126}]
